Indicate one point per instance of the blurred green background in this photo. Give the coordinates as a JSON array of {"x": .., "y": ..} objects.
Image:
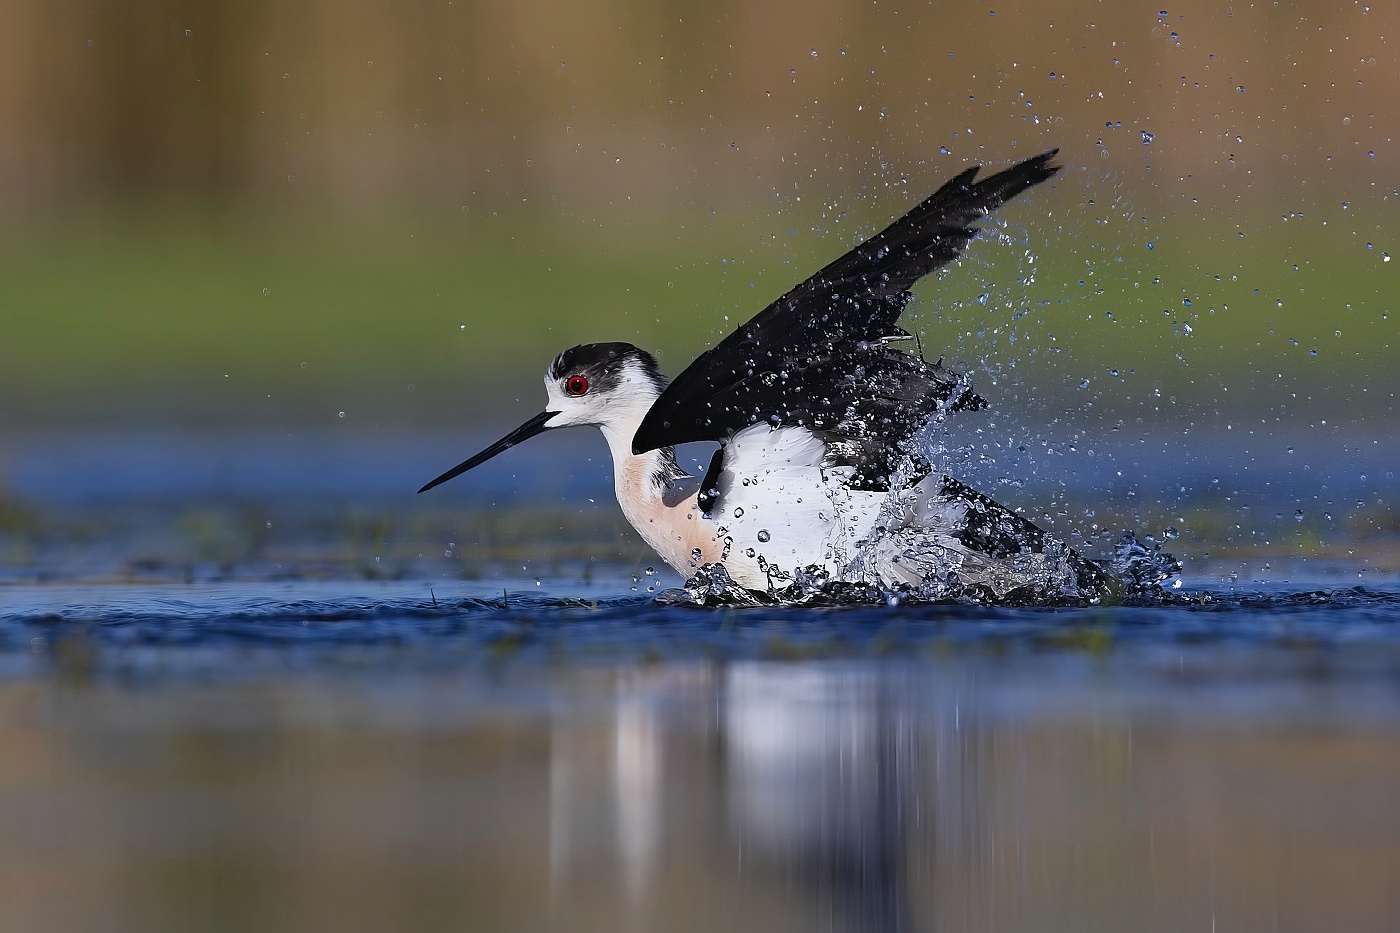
[
  {"x": 318, "y": 252},
  {"x": 219, "y": 212}
]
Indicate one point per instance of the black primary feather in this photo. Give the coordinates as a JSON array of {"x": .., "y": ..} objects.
[
  {"x": 820, "y": 357},
  {"x": 992, "y": 529}
]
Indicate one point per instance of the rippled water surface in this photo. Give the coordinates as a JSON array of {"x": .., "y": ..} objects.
[
  {"x": 343, "y": 754},
  {"x": 242, "y": 692}
]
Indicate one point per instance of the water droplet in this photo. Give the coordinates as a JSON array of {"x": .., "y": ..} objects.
[
  {"x": 739, "y": 512},
  {"x": 1113, "y": 372},
  {"x": 1240, "y": 89},
  {"x": 342, "y": 414},
  {"x": 763, "y": 536},
  {"x": 650, "y": 571},
  {"x": 696, "y": 554},
  {"x": 266, "y": 292},
  {"x": 1312, "y": 352},
  {"x": 1175, "y": 37},
  {"x": 1084, "y": 383},
  {"x": 1186, "y": 302},
  {"x": 1146, "y": 138},
  {"x": 813, "y": 53},
  {"x": 1171, "y": 533},
  {"x": 944, "y": 150},
  {"x": 1298, "y": 515}
]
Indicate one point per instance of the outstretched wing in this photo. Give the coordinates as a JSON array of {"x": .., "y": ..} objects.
[{"x": 819, "y": 356}]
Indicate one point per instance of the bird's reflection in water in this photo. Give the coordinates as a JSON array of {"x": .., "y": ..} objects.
[
  {"x": 818, "y": 783},
  {"x": 801, "y": 776},
  {"x": 637, "y": 765},
  {"x": 1032, "y": 794},
  {"x": 624, "y": 775}
]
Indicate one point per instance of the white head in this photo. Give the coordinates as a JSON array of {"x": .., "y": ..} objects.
[
  {"x": 602, "y": 384},
  {"x": 610, "y": 385}
]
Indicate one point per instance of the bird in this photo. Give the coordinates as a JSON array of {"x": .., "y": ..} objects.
[{"x": 817, "y": 480}]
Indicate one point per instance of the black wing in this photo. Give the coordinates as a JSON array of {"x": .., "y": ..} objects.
[{"x": 819, "y": 357}]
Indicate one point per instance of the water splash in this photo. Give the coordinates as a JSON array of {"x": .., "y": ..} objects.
[
  {"x": 992, "y": 558},
  {"x": 1142, "y": 567}
]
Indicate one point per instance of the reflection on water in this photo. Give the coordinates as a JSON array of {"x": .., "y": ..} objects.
[
  {"x": 819, "y": 775},
  {"x": 1162, "y": 785}
]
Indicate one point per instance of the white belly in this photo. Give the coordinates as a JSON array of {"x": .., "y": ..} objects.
[{"x": 782, "y": 511}]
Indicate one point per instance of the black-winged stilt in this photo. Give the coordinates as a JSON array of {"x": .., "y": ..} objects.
[{"x": 815, "y": 411}]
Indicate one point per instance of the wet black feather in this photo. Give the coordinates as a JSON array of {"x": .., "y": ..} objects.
[
  {"x": 819, "y": 356},
  {"x": 992, "y": 529}
]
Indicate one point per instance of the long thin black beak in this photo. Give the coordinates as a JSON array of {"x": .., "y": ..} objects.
[{"x": 526, "y": 431}]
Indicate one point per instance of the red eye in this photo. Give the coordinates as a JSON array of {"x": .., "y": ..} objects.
[{"x": 577, "y": 385}]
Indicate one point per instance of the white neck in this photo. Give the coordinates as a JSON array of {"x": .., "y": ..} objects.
[
  {"x": 633, "y": 474},
  {"x": 663, "y": 513}
]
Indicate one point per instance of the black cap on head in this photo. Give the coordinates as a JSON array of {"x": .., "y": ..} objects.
[{"x": 602, "y": 364}]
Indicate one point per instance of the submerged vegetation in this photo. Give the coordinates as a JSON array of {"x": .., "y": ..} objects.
[{"x": 561, "y": 542}]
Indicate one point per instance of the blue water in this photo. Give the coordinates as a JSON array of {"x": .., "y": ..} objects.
[
  {"x": 213, "y": 755},
  {"x": 244, "y": 629},
  {"x": 248, "y": 684}
]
